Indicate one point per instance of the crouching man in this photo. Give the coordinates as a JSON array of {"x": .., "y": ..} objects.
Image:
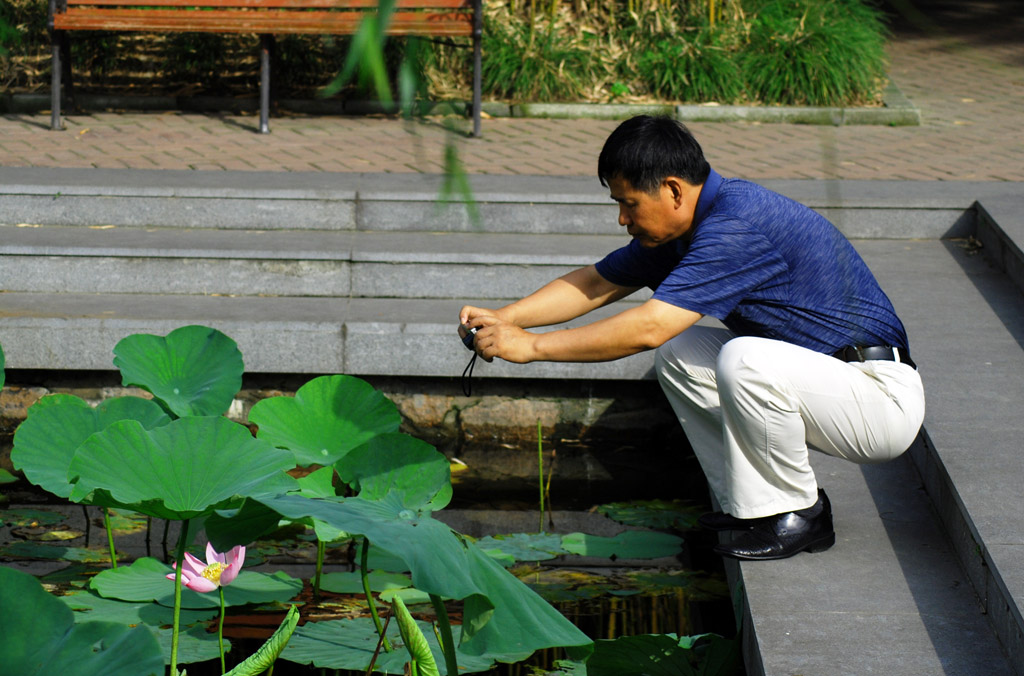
[{"x": 812, "y": 356}]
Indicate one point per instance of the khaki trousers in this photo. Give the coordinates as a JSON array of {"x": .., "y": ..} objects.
[{"x": 752, "y": 407}]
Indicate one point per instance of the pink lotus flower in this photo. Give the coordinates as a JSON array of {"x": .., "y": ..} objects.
[{"x": 220, "y": 570}]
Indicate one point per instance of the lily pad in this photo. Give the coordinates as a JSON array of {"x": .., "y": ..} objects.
[
  {"x": 352, "y": 583},
  {"x": 57, "y": 425},
  {"x": 145, "y": 580},
  {"x": 350, "y": 644},
  {"x": 30, "y": 518},
  {"x": 653, "y": 513},
  {"x": 630, "y": 544},
  {"x": 328, "y": 417},
  {"x": 194, "y": 370},
  {"x": 50, "y": 552},
  {"x": 400, "y": 464},
  {"x": 185, "y": 469},
  {"x": 40, "y": 637},
  {"x": 6, "y": 477},
  {"x": 524, "y": 546}
]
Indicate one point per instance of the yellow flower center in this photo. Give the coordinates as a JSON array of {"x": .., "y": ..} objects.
[{"x": 212, "y": 572}]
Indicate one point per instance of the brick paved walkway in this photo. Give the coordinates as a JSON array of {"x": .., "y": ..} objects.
[{"x": 962, "y": 65}]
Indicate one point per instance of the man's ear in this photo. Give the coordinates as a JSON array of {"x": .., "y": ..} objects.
[{"x": 678, "y": 187}]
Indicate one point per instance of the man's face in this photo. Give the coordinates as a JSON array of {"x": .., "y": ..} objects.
[{"x": 651, "y": 220}]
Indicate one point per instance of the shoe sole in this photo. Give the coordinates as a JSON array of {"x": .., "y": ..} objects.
[{"x": 811, "y": 548}]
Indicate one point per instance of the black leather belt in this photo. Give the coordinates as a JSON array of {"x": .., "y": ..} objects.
[{"x": 881, "y": 352}]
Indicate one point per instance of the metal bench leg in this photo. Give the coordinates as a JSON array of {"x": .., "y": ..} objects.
[
  {"x": 266, "y": 45},
  {"x": 55, "y": 84},
  {"x": 478, "y": 29}
]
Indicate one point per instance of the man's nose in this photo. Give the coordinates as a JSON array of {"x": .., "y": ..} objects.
[{"x": 623, "y": 216}]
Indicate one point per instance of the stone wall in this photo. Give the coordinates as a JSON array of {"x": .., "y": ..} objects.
[{"x": 601, "y": 441}]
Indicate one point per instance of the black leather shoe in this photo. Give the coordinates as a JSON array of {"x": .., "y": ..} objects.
[
  {"x": 784, "y": 535},
  {"x": 719, "y": 521}
]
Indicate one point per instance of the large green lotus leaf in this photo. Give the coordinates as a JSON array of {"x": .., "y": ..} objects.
[
  {"x": 231, "y": 527},
  {"x": 350, "y": 644},
  {"x": 502, "y": 616},
  {"x": 630, "y": 544},
  {"x": 40, "y": 637},
  {"x": 320, "y": 484},
  {"x": 57, "y": 425},
  {"x": 145, "y": 580},
  {"x": 89, "y": 607},
  {"x": 195, "y": 644},
  {"x": 195, "y": 370},
  {"x": 327, "y": 418},
  {"x": 185, "y": 469},
  {"x": 401, "y": 464}
]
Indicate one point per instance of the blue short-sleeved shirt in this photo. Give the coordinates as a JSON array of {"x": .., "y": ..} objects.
[{"x": 766, "y": 266}]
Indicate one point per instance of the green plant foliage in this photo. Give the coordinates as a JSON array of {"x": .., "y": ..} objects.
[
  {"x": 653, "y": 513},
  {"x": 814, "y": 52},
  {"x": 523, "y": 546},
  {"x": 268, "y": 653},
  {"x": 415, "y": 641},
  {"x": 185, "y": 469},
  {"x": 693, "y": 68},
  {"x": 352, "y": 582},
  {"x": 145, "y": 580},
  {"x": 665, "y": 655},
  {"x": 56, "y": 426},
  {"x": 527, "y": 62},
  {"x": 40, "y": 637},
  {"x": 350, "y": 644},
  {"x": 630, "y": 544},
  {"x": 193, "y": 371},
  {"x": 328, "y": 417},
  {"x": 402, "y": 465},
  {"x": 501, "y": 615}
]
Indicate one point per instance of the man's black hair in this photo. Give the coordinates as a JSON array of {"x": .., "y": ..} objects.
[{"x": 646, "y": 149}]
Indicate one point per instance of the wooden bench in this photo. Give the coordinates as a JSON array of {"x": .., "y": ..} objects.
[{"x": 265, "y": 18}]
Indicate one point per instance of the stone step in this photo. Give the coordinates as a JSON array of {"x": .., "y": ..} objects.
[
  {"x": 419, "y": 203},
  {"x": 133, "y": 260},
  {"x": 357, "y": 336}
]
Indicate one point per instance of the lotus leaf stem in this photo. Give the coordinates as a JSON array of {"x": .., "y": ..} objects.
[
  {"x": 179, "y": 558},
  {"x": 364, "y": 557},
  {"x": 110, "y": 538}
]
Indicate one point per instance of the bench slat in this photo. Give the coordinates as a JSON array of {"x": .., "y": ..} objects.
[
  {"x": 279, "y": 22},
  {"x": 275, "y": 4}
]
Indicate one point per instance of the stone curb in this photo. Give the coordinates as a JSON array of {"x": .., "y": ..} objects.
[{"x": 896, "y": 111}]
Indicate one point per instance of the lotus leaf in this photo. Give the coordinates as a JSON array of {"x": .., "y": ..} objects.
[
  {"x": 653, "y": 513},
  {"x": 501, "y": 615},
  {"x": 401, "y": 464},
  {"x": 145, "y": 580},
  {"x": 185, "y": 469},
  {"x": 328, "y": 417},
  {"x": 57, "y": 425},
  {"x": 523, "y": 546},
  {"x": 630, "y": 544},
  {"x": 352, "y": 583},
  {"x": 350, "y": 644},
  {"x": 194, "y": 370},
  {"x": 40, "y": 637}
]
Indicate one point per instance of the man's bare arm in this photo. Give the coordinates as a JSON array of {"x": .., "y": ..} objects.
[
  {"x": 565, "y": 298},
  {"x": 644, "y": 327}
]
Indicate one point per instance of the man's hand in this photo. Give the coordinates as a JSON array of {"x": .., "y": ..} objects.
[{"x": 496, "y": 337}]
